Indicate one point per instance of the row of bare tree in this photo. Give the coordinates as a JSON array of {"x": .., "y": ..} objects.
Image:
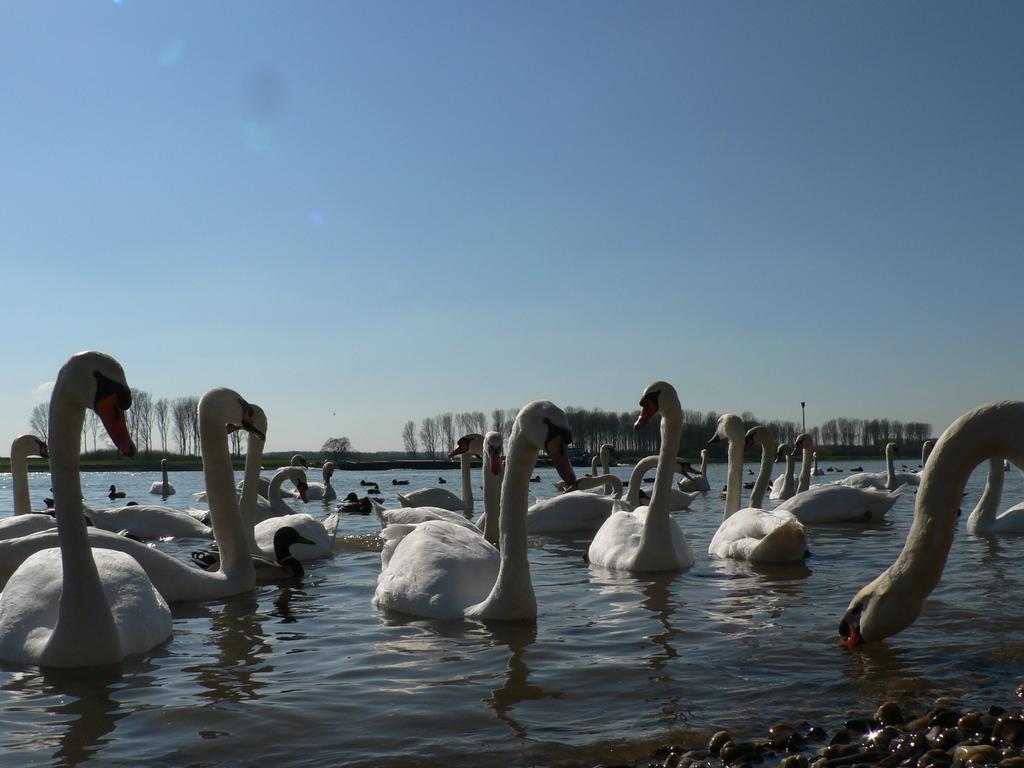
[
  {"x": 176, "y": 419},
  {"x": 592, "y": 427}
]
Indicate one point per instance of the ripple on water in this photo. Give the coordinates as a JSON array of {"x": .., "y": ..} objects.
[{"x": 615, "y": 664}]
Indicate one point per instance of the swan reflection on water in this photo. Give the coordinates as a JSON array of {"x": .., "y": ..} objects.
[{"x": 242, "y": 648}]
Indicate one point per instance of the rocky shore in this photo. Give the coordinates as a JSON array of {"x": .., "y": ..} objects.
[{"x": 943, "y": 737}]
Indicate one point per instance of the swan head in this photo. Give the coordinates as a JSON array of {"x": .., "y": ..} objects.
[
  {"x": 473, "y": 444},
  {"x": 298, "y": 477},
  {"x": 730, "y": 427},
  {"x": 758, "y": 435},
  {"x": 803, "y": 442},
  {"x": 328, "y": 469},
  {"x": 544, "y": 426},
  {"x": 97, "y": 381},
  {"x": 493, "y": 459},
  {"x": 879, "y": 610},
  {"x": 298, "y": 460},
  {"x": 30, "y": 445},
  {"x": 163, "y": 463},
  {"x": 658, "y": 397},
  {"x": 783, "y": 451},
  {"x": 225, "y": 406}
]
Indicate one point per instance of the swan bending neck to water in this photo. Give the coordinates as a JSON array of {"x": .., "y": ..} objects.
[
  {"x": 647, "y": 538},
  {"x": 985, "y": 518},
  {"x": 442, "y": 570},
  {"x": 162, "y": 487},
  {"x": 71, "y": 606},
  {"x": 892, "y": 602}
]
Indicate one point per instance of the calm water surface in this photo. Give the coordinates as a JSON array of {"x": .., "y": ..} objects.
[{"x": 311, "y": 674}]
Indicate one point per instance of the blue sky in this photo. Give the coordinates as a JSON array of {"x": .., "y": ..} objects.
[{"x": 358, "y": 214}]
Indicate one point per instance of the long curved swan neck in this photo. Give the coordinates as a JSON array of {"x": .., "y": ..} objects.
[
  {"x": 734, "y": 481},
  {"x": 764, "y": 474},
  {"x": 704, "y": 461},
  {"x": 805, "y": 464},
  {"x": 992, "y": 430},
  {"x": 926, "y": 451},
  {"x": 19, "y": 476},
  {"x": 984, "y": 514},
  {"x": 606, "y": 453},
  {"x": 82, "y": 602},
  {"x": 512, "y": 594},
  {"x": 163, "y": 470},
  {"x": 465, "y": 464},
  {"x": 595, "y": 460},
  {"x": 250, "y": 490},
  {"x": 787, "y": 483},
  {"x": 890, "y": 468},
  {"x": 218, "y": 475},
  {"x": 636, "y": 478},
  {"x": 656, "y": 524},
  {"x": 492, "y": 504},
  {"x": 815, "y": 458}
]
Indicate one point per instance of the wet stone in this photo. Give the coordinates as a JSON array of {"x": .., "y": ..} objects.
[
  {"x": 945, "y": 739},
  {"x": 793, "y": 761},
  {"x": 860, "y": 726},
  {"x": 841, "y": 750},
  {"x": 1009, "y": 729},
  {"x": 970, "y": 722},
  {"x": 986, "y": 753},
  {"x": 779, "y": 734},
  {"x": 717, "y": 740},
  {"x": 996, "y": 710},
  {"x": 1012, "y": 762},
  {"x": 889, "y": 714},
  {"x": 934, "y": 758},
  {"x": 841, "y": 736},
  {"x": 943, "y": 718},
  {"x": 882, "y": 738},
  {"x": 814, "y": 733}
]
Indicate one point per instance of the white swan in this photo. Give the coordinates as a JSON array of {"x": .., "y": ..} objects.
[
  {"x": 323, "y": 491},
  {"x": 468, "y": 446},
  {"x": 442, "y": 497},
  {"x": 320, "y": 534},
  {"x": 440, "y": 570},
  {"x": 784, "y": 487},
  {"x": 805, "y": 444},
  {"x": 926, "y": 451},
  {"x": 752, "y": 533},
  {"x": 162, "y": 487},
  {"x": 577, "y": 510},
  {"x": 698, "y": 482},
  {"x": 892, "y": 602},
  {"x": 888, "y": 480},
  {"x": 72, "y": 606},
  {"x": 176, "y": 580},
  {"x": 148, "y": 521},
  {"x": 24, "y": 521},
  {"x": 840, "y": 504},
  {"x": 984, "y": 519},
  {"x": 815, "y": 471},
  {"x": 647, "y": 538}
]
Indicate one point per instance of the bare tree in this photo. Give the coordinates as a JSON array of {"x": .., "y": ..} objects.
[
  {"x": 39, "y": 421},
  {"x": 140, "y": 419},
  {"x": 429, "y": 436},
  {"x": 446, "y": 428},
  {"x": 409, "y": 437},
  {"x": 193, "y": 422},
  {"x": 161, "y": 413},
  {"x": 93, "y": 424},
  {"x": 180, "y": 419}
]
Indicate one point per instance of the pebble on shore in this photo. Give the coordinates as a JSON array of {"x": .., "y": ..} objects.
[{"x": 945, "y": 737}]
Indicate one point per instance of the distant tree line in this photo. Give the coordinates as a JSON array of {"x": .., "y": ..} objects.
[
  {"x": 591, "y": 427},
  {"x": 174, "y": 420}
]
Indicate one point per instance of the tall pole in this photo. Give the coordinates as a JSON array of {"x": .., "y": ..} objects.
[{"x": 803, "y": 416}]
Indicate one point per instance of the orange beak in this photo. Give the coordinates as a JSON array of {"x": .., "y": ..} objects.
[
  {"x": 650, "y": 408},
  {"x": 114, "y": 422},
  {"x": 853, "y": 638}
]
